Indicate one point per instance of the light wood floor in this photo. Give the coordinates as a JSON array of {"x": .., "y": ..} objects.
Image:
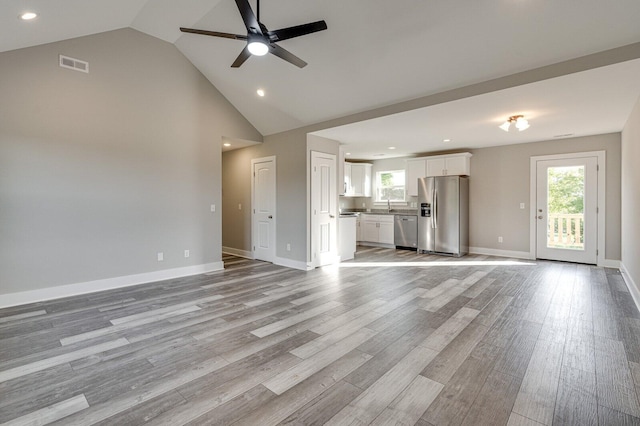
[{"x": 389, "y": 338}]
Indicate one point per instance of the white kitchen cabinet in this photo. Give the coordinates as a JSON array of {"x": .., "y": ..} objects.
[
  {"x": 416, "y": 168},
  {"x": 347, "y": 179},
  {"x": 385, "y": 233},
  {"x": 342, "y": 187},
  {"x": 437, "y": 165},
  {"x": 377, "y": 228},
  {"x": 357, "y": 179},
  {"x": 347, "y": 237},
  {"x": 449, "y": 165}
]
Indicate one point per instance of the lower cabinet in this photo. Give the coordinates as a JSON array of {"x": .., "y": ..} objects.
[{"x": 376, "y": 228}]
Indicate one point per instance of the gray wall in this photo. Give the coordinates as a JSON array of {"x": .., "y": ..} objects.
[
  {"x": 631, "y": 195},
  {"x": 100, "y": 171},
  {"x": 500, "y": 182}
]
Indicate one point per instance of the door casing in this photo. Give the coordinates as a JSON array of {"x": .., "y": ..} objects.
[{"x": 601, "y": 172}]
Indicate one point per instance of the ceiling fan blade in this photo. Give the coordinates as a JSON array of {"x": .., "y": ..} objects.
[
  {"x": 249, "y": 18},
  {"x": 286, "y": 55},
  {"x": 297, "y": 31},
  {"x": 243, "y": 56},
  {"x": 213, "y": 33}
]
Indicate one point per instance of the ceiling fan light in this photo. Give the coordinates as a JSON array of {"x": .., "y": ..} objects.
[
  {"x": 258, "y": 48},
  {"x": 505, "y": 126}
]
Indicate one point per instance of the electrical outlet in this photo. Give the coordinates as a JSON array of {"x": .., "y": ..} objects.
[
  {"x": 213, "y": 208},
  {"x": 239, "y": 206},
  {"x": 186, "y": 253},
  {"x": 499, "y": 239},
  {"x": 160, "y": 256},
  {"x": 288, "y": 247},
  {"x": 522, "y": 206}
]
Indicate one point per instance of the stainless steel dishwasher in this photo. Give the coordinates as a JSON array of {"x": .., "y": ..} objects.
[{"x": 405, "y": 231}]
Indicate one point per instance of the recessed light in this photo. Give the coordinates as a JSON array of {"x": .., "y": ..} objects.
[
  {"x": 446, "y": 140},
  {"x": 392, "y": 147},
  {"x": 226, "y": 144},
  {"x": 28, "y": 16},
  {"x": 347, "y": 153},
  {"x": 260, "y": 92}
]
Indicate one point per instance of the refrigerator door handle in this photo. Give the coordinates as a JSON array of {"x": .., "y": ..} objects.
[{"x": 434, "y": 213}]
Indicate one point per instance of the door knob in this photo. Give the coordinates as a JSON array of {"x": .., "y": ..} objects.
[
  {"x": 270, "y": 217},
  {"x": 332, "y": 216},
  {"x": 540, "y": 217}
]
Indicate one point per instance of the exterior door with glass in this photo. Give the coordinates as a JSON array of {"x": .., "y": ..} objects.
[{"x": 567, "y": 209}]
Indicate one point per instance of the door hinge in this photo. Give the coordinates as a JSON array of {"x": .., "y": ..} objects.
[
  {"x": 254, "y": 248},
  {"x": 597, "y": 252},
  {"x": 597, "y": 210},
  {"x": 598, "y": 167}
]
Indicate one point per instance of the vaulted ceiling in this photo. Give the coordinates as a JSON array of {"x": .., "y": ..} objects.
[{"x": 374, "y": 53}]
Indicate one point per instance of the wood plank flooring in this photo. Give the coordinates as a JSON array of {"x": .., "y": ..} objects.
[{"x": 390, "y": 338}]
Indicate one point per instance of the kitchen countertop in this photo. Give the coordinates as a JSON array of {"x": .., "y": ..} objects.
[{"x": 393, "y": 212}]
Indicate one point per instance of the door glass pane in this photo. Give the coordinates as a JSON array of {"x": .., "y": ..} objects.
[{"x": 565, "y": 207}]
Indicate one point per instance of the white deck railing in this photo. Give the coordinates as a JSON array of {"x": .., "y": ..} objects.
[{"x": 566, "y": 230}]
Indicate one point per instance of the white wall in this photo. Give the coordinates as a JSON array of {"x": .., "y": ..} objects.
[
  {"x": 100, "y": 171},
  {"x": 631, "y": 201}
]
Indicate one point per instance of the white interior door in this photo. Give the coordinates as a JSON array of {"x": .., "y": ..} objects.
[
  {"x": 324, "y": 222},
  {"x": 567, "y": 209},
  {"x": 264, "y": 209}
]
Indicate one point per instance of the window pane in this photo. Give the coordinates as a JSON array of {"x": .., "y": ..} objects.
[
  {"x": 565, "y": 207},
  {"x": 390, "y": 185}
]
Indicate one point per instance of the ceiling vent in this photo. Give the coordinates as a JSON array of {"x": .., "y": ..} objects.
[{"x": 74, "y": 64}]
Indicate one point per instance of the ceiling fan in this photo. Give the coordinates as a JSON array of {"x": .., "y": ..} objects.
[{"x": 260, "y": 40}]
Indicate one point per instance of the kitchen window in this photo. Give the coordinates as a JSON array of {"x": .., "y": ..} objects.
[{"x": 390, "y": 185}]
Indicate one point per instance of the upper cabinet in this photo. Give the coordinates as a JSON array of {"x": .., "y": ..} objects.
[
  {"x": 357, "y": 179},
  {"x": 437, "y": 165},
  {"x": 449, "y": 165},
  {"x": 342, "y": 185},
  {"x": 416, "y": 168}
]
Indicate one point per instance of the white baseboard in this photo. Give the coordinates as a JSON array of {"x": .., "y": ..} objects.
[
  {"x": 237, "y": 252},
  {"x": 631, "y": 285},
  {"x": 608, "y": 263},
  {"x": 58, "y": 292},
  {"x": 500, "y": 253},
  {"x": 289, "y": 263}
]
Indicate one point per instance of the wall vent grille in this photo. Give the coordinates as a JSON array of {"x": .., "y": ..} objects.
[{"x": 74, "y": 64}]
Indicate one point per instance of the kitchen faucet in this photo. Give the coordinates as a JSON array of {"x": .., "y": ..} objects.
[{"x": 388, "y": 205}]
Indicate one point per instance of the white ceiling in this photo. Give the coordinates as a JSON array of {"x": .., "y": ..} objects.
[
  {"x": 587, "y": 103},
  {"x": 377, "y": 53}
]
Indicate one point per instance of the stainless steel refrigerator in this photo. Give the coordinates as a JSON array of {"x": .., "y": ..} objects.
[{"x": 443, "y": 219}]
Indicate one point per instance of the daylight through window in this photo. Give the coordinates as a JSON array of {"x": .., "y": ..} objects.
[{"x": 390, "y": 186}]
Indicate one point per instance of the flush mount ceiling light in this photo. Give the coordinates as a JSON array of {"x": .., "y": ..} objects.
[
  {"x": 28, "y": 16},
  {"x": 260, "y": 92},
  {"x": 519, "y": 120}
]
